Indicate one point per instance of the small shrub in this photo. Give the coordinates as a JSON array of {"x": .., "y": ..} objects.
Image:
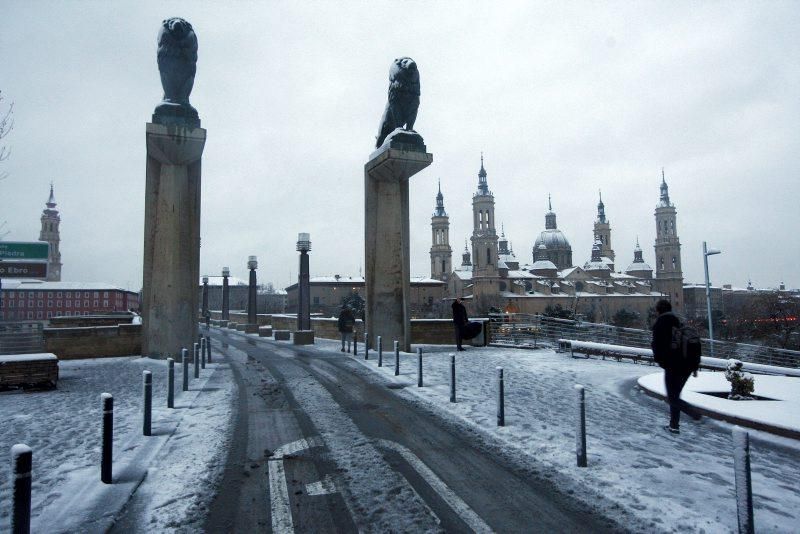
[{"x": 742, "y": 384}]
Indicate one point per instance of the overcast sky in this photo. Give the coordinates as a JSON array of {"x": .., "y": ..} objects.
[{"x": 562, "y": 99}]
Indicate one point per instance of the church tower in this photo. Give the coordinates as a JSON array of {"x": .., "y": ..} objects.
[
  {"x": 602, "y": 231},
  {"x": 50, "y": 234},
  {"x": 484, "y": 235},
  {"x": 669, "y": 276},
  {"x": 441, "y": 253},
  {"x": 466, "y": 260}
]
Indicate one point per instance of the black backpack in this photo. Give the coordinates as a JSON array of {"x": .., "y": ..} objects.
[{"x": 686, "y": 346}]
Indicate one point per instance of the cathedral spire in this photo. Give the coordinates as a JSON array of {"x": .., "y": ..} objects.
[
  {"x": 550, "y": 216},
  {"x": 664, "y": 200},
  {"x": 51, "y": 202},
  {"x": 483, "y": 186},
  {"x": 601, "y": 208},
  {"x": 440, "y": 203}
]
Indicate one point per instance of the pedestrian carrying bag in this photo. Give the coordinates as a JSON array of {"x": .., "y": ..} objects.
[
  {"x": 686, "y": 345},
  {"x": 471, "y": 329}
]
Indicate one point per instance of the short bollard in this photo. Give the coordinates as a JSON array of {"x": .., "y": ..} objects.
[
  {"x": 21, "y": 466},
  {"x": 366, "y": 345},
  {"x": 355, "y": 344},
  {"x": 148, "y": 402},
  {"x": 380, "y": 352},
  {"x": 580, "y": 429},
  {"x": 208, "y": 348},
  {"x": 396, "y": 358},
  {"x": 452, "y": 378},
  {"x": 106, "y": 454},
  {"x": 170, "y": 383},
  {"x": 203, "y": 349},
  {"x": 501, "y": 407},
  {"x": 419, "y": 367},
  {"x": 744, "y": 485},
  {"x": 196, "y": 360},
  {"x": 185, "y": 362}
]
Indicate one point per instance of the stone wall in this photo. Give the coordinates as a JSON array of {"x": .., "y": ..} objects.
[
  {"x": 90, "y": 320},
  {"x": 94, "y": 341}
]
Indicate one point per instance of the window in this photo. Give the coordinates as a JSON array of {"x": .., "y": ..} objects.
[
  {"x": 58, "y": 314},
  {"x": 10, "y": 303},
  {"x": 58, "y": 304},
  {"x": 105, "y": 294},
  {"x": 49, "y": 314},
  {"x": 30, "y": 315},
  {"x": 674, "y": 262},
  {"x": 49, "y": 303},
  {"x": 68, "y": 314},
  {"x": 96, "y": 303},
  {"x": 488, "y": 256},
  {"x": 316, "y": 301},
  {"x": 86, "y": 294},
  {"x": 105, "y": 303},
  {"x": 30, "y": 304},
  {"x": 97, "y": 294},
  {"x": 49, "y": 294},
  {"x": 444, "y": 266},
  {"x": 77, "y": 304},
  {"x": 69, "y": 294},
  {"x": 85, "y": 303},
  {"x": 58, "y": 294},
  {"x": 30, "y": 294}
]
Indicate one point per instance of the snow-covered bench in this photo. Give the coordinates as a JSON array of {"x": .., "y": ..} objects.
[
  {"x": 604, "y": 349},
  {"x": 19, "y": 370}
]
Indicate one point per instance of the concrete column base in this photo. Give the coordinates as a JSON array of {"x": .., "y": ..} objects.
[
  {"x": 303, "y": 337},
  {"x": 251, "y": 329},
  {"x": 264, "y": 331},
  {"x": 281, "y": 335}
]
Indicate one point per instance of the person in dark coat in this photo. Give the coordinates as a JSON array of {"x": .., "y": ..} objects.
[
  {"x": 460, "y": 320},
  {"x": 675, "y": 371},
  {"x": 347, "y": 322}
]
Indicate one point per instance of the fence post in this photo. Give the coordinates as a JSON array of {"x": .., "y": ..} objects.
[
  {"x": 452, "y": 378},
  {"x": 501, "y": 408},
  {"x": 396, "y": 358},
  {"x": 148, "y": 402},
  {"x": 203, "y": 345},
  {"x": 355, "y": 342},
  {"x": 170, "y": 383},
  {"x": 366, "y": 345},
  {"x": 208, "y": 348},
  {"x": 580, "y": 430},
  {"x": 196, "y": 360},
  {"x": 419, "y": 367},
  {"x": 21, "y": 467},
  {"x": 380, "y": 352},
  {"x": 108, "y": 437},
  {"x": 744, "y": 486}
]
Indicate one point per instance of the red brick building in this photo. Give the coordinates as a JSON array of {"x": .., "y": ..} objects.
[{"x": 40, "y": 300}]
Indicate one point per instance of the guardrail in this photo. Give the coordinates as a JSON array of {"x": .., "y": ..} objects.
[{"x": 530, "y": 331}]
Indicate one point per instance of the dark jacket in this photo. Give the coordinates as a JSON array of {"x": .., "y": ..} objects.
[
  {"x": 661, "y": 344},
  {"x": 346, "y": 320},
  {"x": 459, "y": 314}
]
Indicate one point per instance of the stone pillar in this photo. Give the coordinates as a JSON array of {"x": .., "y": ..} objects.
[
  {"x": 252, "y": 300},
  {"x": 226, "y": 295},
  {"x": 387, "y": 237},
  {"x": 171, "y": 238}
]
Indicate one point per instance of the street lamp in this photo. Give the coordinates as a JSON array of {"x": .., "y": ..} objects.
[
  {"x": 304, "y": 283},
  {"x": 252, "y": 264},
  {"x": 226, "y": 309},
  {"x": 706, "y": 253}
]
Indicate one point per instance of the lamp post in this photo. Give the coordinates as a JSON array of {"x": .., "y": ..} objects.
[
  {"x": 706, "y": 253},
  {"x": 303, "y": 284},
  {"x": 205, "y": 313},
  {"x": 252, "y": 264},
  {"x": 226, "y": 303}
]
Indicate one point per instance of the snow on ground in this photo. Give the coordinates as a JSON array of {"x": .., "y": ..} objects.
[
  {"x": 783, "y": 411},
  {"x": 63, "y": 428},
  {"x": 681, "y": 483}
]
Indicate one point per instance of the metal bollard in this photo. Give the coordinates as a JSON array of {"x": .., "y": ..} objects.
[
  {"x": 452, "y": 378},
  {"x": 380, "y": 352},
  {"x": 148, "y": 402},
  {"x": 366, "y": 345},
  {"x": 196, "y": 360},
  {"x": 108, "y": 437},
  {"x": 580, "y": 430},
  {"x": 203, "y": 353},
  {"x": 501, "y": 408},
  {"x": 185, "y": 362},
  {"x": 21, "y": 466},
  {"x": 208, "y": 348},
  {"x": 170, "y": 383},
  {"x": 419, "y": 367},
  {"x": 744, "y": 485},
  {"x": 396, "y": 358},
  {"x": 355, "y": 344}
]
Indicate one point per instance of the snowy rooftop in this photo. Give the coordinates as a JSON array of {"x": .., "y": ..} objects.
[{"x": 24, "y": 284}]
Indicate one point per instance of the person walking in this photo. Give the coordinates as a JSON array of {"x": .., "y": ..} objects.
[
  {"x": 347, "y": 323},
  {"x": 676, "y": 373},
  {"x": 460, "y": 320}
]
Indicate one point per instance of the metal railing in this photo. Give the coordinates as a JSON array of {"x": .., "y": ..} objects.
[
  {"x": 21, "y": 338},
  {"x": 529, "y": 331}
]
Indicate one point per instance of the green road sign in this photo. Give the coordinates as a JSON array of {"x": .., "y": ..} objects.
[{"x": 16, "y": 250}]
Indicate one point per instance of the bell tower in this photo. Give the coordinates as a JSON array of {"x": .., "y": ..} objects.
[
  {"x": 50, "y": 234},
  {"x": 669, "y": 275},
  {"x": 484, "y": 234},
  {"x": 441, "y": 253},
  {"x": 602, "y": 230}
]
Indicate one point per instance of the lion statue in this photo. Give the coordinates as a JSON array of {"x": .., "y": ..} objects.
[
  {"x": 177, "y": 65},
  {"x": 401, "y": 109}
]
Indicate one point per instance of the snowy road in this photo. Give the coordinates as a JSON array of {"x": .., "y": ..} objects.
[{"x": 322, "y": 444}]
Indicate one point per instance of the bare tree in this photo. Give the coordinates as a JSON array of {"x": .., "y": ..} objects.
[{"x": 6, "y": 124}]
